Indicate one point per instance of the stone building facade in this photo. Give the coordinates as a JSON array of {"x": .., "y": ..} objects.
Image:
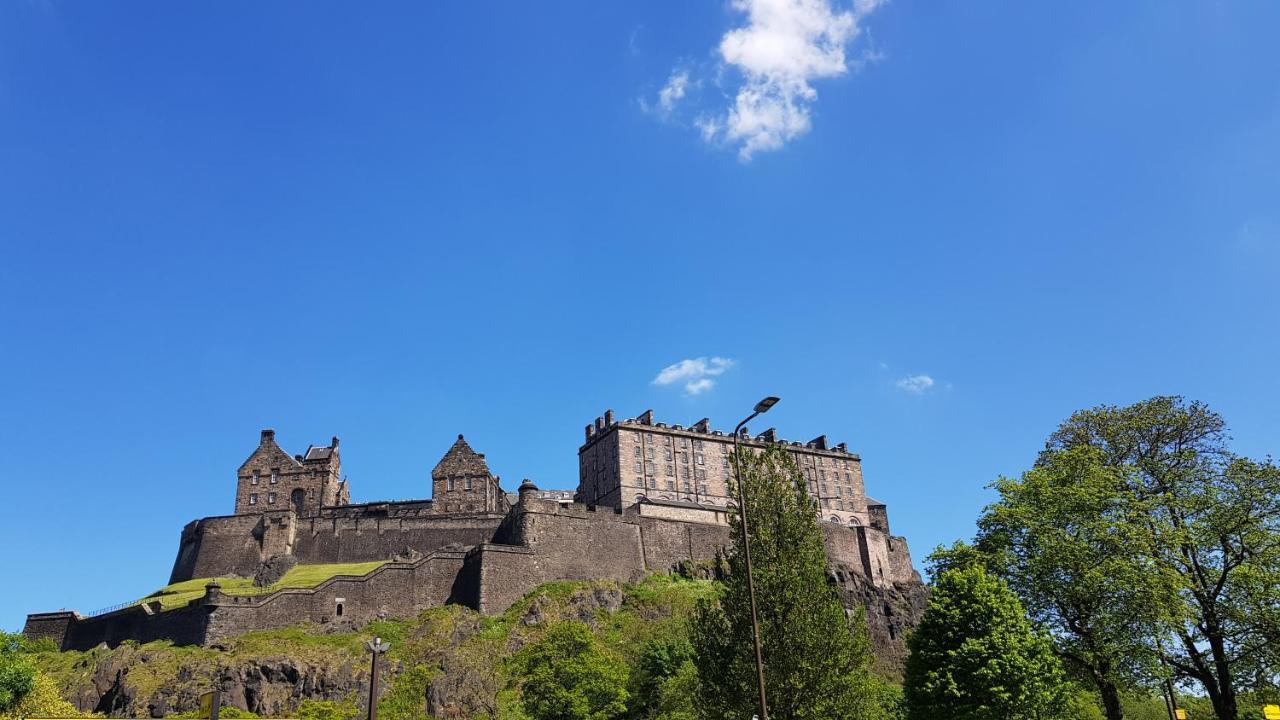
[
  {"x": 629, "y": 461},
  {"x": 475, "y": 545},
  {"x": 270, "y": 479}
]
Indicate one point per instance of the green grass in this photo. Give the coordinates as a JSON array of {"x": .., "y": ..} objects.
[{"x": 300, "y": 576}]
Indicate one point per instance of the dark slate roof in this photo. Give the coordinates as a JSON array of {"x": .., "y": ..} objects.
[
  {"x": 871, "y": 502},
  {"x": 460, "y": 460},
  {"x": 683, "y": 504},
  {"x": 319, "y": 453}
]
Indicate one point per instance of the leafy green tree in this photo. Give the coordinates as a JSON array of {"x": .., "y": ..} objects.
[
  {"x": 1068, "y": 537},
  {"x": 664, "y": 680},
  {"x": 976, "y": 656},
  {"x": 567, "y": 676},
  {"x": 42, "y": 699},
  {"x": 815, "y": 654},
  {"x": 1213, "y": 526},
  {"x": 17, "y": 673}
]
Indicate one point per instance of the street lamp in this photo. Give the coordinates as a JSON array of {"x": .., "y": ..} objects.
[
  {"x": 376, "y": 648},
  {"x": 761, "y": 407}
]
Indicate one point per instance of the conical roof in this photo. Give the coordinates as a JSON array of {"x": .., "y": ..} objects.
[{"x": 460, "y": 460}]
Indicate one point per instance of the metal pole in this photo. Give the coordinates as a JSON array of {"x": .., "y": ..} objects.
[
  {"x": 373, "y": 682},
  {"x": 746, "y": 552}
]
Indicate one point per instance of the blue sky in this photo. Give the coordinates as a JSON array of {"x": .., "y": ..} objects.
[{"x": 933, "y": 228}]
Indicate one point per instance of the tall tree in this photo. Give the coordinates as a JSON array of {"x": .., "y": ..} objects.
[
  {"x": 1213, "y": 522},
  {"x": 1068, "y": 537},
  {"x": 816, "y": 655},
  {"x": 976, "y": 656}
]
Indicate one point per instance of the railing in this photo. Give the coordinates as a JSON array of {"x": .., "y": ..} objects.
[{"x": 113, "y": 608}]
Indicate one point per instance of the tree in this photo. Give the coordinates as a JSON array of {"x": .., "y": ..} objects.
[
  {"x": 976, "y": 656},
  {"x": 17, "y": 673},
  {"x": 569, "y": 677},
  {"x": 1213, "y": 526},
  {"x": 664, "y": 679},
  {"x": 42, "y": 699},
  {"x": 815, "y": 654},
  {"x": 1068, "y": 537}
]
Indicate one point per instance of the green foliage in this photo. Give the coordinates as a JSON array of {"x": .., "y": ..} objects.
[
  {"x": 41, "y": 699},
  {"x": 1211, "y": 522},
  {"x": 17, "y": 673},
  {"x": 328, "y": 709},
  {"x": 816, "y": 656},
  {"x": 1069, "y": 536},
  {"x": 406, "y": 699},
  {"x": 664, "y": 679},
  {"x": 567, "y": 676},
  {"x": 975, "y": 655}
]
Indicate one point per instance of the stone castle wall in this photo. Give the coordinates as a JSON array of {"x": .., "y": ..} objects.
[{"x": 538, "y": 541}]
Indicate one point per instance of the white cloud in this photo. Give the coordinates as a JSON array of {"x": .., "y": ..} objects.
[
  {"x": 671, "y": 93},
  {"x": 916, "y": 384},
  {"x": 695, "y": 373},
  {"x": 783, "y": 47}
]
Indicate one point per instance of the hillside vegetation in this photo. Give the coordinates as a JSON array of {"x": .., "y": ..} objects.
[{"x": 448, "y": 662}]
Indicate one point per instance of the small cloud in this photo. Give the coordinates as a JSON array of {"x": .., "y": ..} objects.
[
  {"x": 695, "y": 373},
  {"x": 783, "y": 46},
  {"x": 916, "y": 384},
  {"x": 675, "y": 89}
]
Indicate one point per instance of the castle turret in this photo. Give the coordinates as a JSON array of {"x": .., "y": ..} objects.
[{"x": 461, "y": 482}]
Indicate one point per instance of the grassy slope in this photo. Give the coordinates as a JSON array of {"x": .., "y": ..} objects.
[
  {"x": 300, "y": 576},
  {"x": 422, "y": 647}
]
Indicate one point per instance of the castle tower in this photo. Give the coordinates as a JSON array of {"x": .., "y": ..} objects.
[
  {"x": 461, "y": 482},
  {"x": 272, "y": 480}
]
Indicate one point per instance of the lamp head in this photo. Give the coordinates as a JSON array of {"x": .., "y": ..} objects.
[{"x": 764, "y": 405}]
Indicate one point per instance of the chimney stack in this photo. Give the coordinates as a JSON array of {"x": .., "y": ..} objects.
[
  {"x": 268, "y": 435},
  {"x": 590, "y": 431},
  {"x": 646, "y": 417},
  {"x": 608, "y": 418}
]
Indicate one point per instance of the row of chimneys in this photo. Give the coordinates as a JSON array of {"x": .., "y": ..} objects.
[
  {"x": 269, "y": 436},
  {"x": 704, "y": 426}
]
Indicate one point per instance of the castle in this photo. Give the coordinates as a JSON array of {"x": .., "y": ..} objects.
[{"x": 651, "y": 497}]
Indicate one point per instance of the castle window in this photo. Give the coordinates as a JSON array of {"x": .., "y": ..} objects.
[
  {"x": 649, "y": 452},
  {"x": 466, "y": 483},
  {"x": 671, "y": 469},
  {"x": 671, "y": 484},
  {"x": 653, "y": 484},
  {"x": 271, "y": 498},
  {"x": 449, "y": 483},
  {"x": 255, "y": 477},
  {"x": 639, "y": 467},
  {"x": 670, "y": 456},
  {"x": 637, "y": 451},
  {"x": 275, "y": 476},
  {"x": 253, "y": 498},
  {"x": 699, "y": 459}
]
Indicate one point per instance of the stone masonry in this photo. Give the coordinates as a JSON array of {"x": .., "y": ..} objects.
[{"x": 476, "y": 545}]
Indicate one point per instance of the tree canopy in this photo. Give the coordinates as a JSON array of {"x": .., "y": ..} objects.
[
  {"x": 815, "y": 654},
  {"x": 976, "y": 656}
]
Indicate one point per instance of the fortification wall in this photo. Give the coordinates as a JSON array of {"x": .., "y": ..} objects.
[
  {"x": 379, "y": 537},
  {"x": 541, "y": 541},
  {"x": 239, "y": 544}
]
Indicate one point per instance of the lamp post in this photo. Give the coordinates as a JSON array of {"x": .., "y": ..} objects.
[
  {"x": 376, "y": 648},
  {"x": 761, "y": 407}
]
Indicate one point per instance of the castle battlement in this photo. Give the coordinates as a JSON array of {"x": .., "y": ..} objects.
[{"x": 480, "y": 546}]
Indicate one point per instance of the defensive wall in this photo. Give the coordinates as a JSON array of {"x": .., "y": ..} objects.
[{"x": 538, "y": 540}]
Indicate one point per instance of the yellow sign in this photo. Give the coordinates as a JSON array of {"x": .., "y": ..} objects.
[
  {"x": 1271, "y": 712},
  {"x": 1180, "y": 714}
]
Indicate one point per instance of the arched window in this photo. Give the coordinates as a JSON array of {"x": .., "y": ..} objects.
[
  {"x": 835, "y": 519},
  {"x": 853, "y": 522}
]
